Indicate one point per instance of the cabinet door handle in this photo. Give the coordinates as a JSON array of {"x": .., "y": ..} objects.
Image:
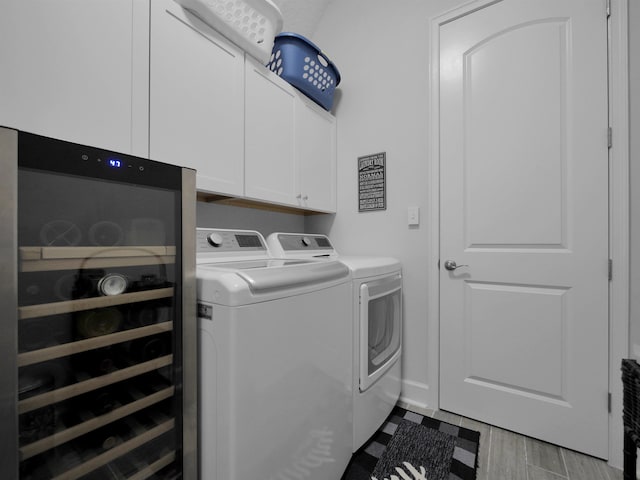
[{"x": 305, "y": 198}]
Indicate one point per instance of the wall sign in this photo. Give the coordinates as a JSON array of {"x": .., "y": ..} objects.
[{"x": 372, "y": 182}]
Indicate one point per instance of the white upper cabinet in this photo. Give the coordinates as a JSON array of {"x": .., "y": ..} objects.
[
  {"x": 245, "y": 130},
  {"x": 196, "y": 99},
  {"x": 315, "y": 144},
  {"x": 271, "y": 169},
  {"x": 290, "y": 144},
  {"x": 77, "y": 71}
]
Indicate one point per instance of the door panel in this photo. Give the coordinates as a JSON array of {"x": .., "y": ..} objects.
[
  {"x": 524, "y": 206},
  {"x": 196, "y": 99},
  {"x": 315, "y": 146},
  {"x": 530, "y": 152},
  {"x": 529, "y": 316},
  {"x": 271, "y": 169}
]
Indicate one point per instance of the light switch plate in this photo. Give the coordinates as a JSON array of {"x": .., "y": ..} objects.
[{"x": 413, "y": 216}]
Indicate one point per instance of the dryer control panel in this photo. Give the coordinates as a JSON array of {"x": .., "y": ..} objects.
[{"x": 287, "y": 244}]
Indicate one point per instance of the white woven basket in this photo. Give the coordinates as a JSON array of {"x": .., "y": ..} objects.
[{"x": 250, "y": 24}]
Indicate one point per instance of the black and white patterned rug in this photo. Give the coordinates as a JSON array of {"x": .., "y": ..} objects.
[{"x": 417, "y": 445}]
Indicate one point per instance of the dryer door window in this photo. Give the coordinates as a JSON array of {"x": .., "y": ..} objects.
[{"x": 381, "y": 325}]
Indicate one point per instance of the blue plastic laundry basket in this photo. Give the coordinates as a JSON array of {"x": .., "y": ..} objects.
[{"x": 303, "y": 65}]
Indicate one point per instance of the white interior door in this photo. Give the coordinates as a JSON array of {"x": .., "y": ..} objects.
[{"x": 524, "y": 207}]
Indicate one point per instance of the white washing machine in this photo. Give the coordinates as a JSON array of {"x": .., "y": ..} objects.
[
  {"x": 276, "y": 364},
  {"x": 377, "y": 320}
]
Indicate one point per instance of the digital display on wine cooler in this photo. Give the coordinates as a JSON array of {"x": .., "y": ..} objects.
[{"x": 115, "y": 163}]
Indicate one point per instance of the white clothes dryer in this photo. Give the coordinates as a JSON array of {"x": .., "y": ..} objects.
[
  {"x": 275, "y": 362},
  {"x": 377, "y": 322}
]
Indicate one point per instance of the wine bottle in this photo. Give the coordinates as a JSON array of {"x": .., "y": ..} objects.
[
  {"x": 145, "y": 349},
  {"x": 101, "y": 402},
  {"x": 148, "y": 281},
  {"x": 97, "y": 282},
  {"x": 107, "y": 437},
  {"x": 37, "y": 333},
  {"x": 34, "y": 469},
  {"x": 109, "y": 472},
  {"x": 142, "y": 315},
  {"x": 60, "y": 233},
  {"x": 66, "y": 458},
  {"x": 95, "y": 323},
  {"x": 45, "y": 287},
  {"x": 147, "y": 313},
  {"x": 37, "y": 424},
  {"x": 106, "y": 233},
  {"x": 100, "y": 361},
  {"x": 42, "y": 377},
  {"x": 57, "y": 286}
]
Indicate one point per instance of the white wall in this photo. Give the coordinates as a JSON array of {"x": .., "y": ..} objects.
[
  {"x": 228, "y": 216},
  {"x": 381, "y": 49}
]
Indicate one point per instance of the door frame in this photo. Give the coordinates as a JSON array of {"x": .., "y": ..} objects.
[{"x": 618, "y": 208}]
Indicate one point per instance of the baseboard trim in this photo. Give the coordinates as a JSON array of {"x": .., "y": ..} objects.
[{"x": 415, "y": 395}]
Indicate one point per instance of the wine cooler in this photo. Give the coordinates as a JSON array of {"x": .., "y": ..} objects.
[{"x": 97, "y": 297}]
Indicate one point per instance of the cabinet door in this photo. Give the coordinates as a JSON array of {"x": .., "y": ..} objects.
[
  {"x": 71, "y": 70},
  {"x": 196, "y": 99},
  {"x": 271, "y": 172},
  {"x": 316, "y": 152}
]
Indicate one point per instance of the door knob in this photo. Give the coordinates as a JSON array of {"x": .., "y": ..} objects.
[{"x": 451, "y": 265}]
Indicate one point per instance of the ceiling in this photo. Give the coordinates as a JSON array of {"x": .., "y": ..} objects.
[{"x": 302, "y": 16}]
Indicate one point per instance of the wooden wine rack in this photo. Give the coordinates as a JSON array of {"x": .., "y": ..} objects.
[
  {"x": 68, "y": 434},
  {"x": 55, "y": 308},
  {"x": 116, "y": 452},
  {"x": 66, "y": 349},
  {"x": 70, "y": 391},
  {"x": 41, "y": 259}
]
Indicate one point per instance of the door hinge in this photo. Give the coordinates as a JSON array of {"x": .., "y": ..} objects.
[
  {"x": 610, "y": 269},
  {"x": 609, "y": 402},
  {"x": 608, "y": 8},
  {"x": 609, "y": 137}
]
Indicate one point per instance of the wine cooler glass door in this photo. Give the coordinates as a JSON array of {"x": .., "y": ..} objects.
[{"x": 99, "y": 354}]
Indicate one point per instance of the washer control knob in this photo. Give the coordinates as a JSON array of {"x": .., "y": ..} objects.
[
  {"x": 214, "y": 239},
  {"x": 306, "y": 241}
]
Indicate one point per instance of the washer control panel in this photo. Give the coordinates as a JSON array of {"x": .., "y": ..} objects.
[{"x": 212, "y": 240}]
